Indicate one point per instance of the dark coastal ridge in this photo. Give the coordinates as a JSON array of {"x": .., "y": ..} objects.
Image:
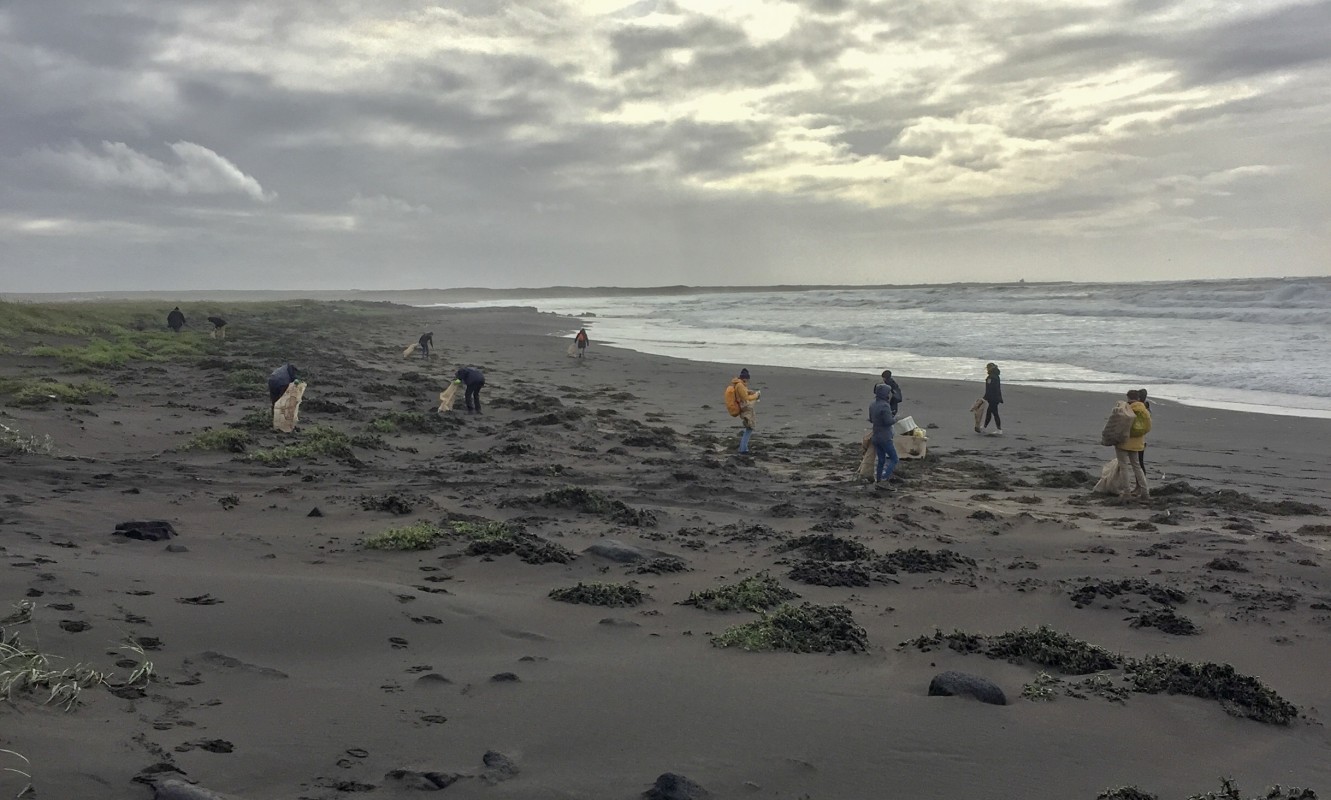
[{"x": 585, "y": 592}]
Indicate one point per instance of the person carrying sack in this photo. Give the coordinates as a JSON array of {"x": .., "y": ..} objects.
[
  {"x": 1134, "y": 443},
  {"x": 993, "y": 398},
  {"x": 739, "y": 402},
  {"x": 581, "y": 341}
]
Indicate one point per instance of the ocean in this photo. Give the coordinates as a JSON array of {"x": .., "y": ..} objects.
[{"x": 1254, "y": 345}]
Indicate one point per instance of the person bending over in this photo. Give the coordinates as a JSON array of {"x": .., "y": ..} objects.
[
  {"x": 426, "y": 342},
  {"x": 278, "y": 382},
  {"x": 472, "y": 380}
]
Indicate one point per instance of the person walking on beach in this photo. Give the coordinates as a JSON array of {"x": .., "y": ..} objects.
[
  {"x": 472, "y": 380},
  {"x": 426, "y": 342},
  {"x": 993, "y": 396},
  {"x": 896, "y": 390},
  {"x": 581, "y": 341},
  {"x": 176, "y": 319},
  {"x": 1134, "y": 444},
  {"x": 739, "y": 401},
  {"x": 278, "y": 382},
  {"x": 882, "y": 419}
]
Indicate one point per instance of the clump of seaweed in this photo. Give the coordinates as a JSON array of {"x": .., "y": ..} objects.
[
  {"x": 830, "y": 573},
  {"x": 1240, "y": 695},
  {"x": 600, "y": 594},
  {"x": 228, "y": 440},
  {"x": 317, "y": 441},
  {"x": 412, "y": 422},
  {"x": 754, "y": 593},
  {"x": 392, "y": 503},
  {"x": 1234, "y": 501},
  {"x": 916, "y": 560},
  {"x": 1166, "y": 621},
  {"x": 1164, "y": 595},
  {"x": 1061, "y": 479},
  {"x": 502, "y": 538},
  {"x": 588, "y": 501},
  {"x": 661, "y": 565},
  {"x": 1126, "y": 793},
  {"x": 1043, "y": 646},
  {"x": 1230, "y": 791},
  {"x": 807, "y": 628},
  {"x": 827, "y": 547}
]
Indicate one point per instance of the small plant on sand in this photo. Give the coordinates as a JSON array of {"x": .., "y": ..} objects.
[
  {"x": 22, "y": 773},
  {"x": 915, "y": 560},
  {"x": 16, "y": 442},
  {"x": 317, "y": 441},
  {"x": 1044, "y": 688},
  {"x": 410, "y": 422},
  {"x": 500, "y": 538},
  {"x": 1126, "y": 793},
  {"x": 419, "y": 536},
  {"x": 600, "y": 594},
  {"x": 228, "y": 440},
  {"x": 827, "y": 547},
  {"x": 43, "y": 391},
  {"x": 806, "y": 628},
  {"x": 754, "y": 593},
  {"x": 576, "y": 498}
]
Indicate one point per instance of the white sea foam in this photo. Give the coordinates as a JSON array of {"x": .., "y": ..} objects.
[{"x": 1259, "y": 345}]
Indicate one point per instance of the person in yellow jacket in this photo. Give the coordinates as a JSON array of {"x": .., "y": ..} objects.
[
  {"x": 1133, "y": 445},
  {"x": 745, "y": 399}
]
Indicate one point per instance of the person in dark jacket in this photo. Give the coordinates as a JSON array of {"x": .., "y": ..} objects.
[
  {"x": 472, "y": 379},
  {"x": 426, "y": 342},
  {"x": 882, "y": 419},
  {"x": 219, "y": 327},
  {"x": 993, "y": 395},
  {"x": 278, "y": 382},
  {"x": 896, "y": 390},
  {"x": 176, "y": 319}
]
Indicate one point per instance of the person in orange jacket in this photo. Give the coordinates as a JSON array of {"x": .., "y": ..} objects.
[{"x": 745, "y": 399}]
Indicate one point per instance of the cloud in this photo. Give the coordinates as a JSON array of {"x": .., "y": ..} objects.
[{"x": 196, "y": 170}]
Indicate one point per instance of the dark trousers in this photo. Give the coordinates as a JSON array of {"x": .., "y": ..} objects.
[
  {"x": 473, "y": 396},
  {"x": 276, "y": 390},
  {"x": 992, "y": 414}
]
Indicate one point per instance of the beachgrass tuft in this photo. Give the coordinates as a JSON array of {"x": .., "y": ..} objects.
[
  {"x": 35, "y": 392},
  {"x": 15, "y": 442}
]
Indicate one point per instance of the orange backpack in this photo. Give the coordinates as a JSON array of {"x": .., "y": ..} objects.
[{"x": 732, "y": 402}]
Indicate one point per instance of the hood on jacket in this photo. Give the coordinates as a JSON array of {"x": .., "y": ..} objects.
[{"x": 882, "y": 391}]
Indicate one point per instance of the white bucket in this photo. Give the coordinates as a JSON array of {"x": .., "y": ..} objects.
[{"x": 904, "y": 425}]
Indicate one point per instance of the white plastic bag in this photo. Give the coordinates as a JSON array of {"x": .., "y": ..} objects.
[
  {"x": 449, "y": 396},
  {"x": 978, "y": 408},
  {"x": 286, "y": 411},
  {"x": 1112, "y": 480}
]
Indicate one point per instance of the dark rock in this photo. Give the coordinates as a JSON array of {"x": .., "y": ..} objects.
[
  {"x": 147, "y": 531},
  {"x": 176, "y": 548},
  {"x": 505, "y": 677},
  {"x": 960, "y": 684},
  {"x": 498, "y": 767},
  {"x": 671, "y": 786},
  {"x": 315, "y": 512},
  {"x": 622, "y": 552},
  {"x": 615, "y": 622}
]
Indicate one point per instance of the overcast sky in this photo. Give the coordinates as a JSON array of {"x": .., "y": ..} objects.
[{"x": 175, "y": 144}]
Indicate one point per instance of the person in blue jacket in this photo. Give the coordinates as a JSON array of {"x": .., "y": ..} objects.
[
  {"x": 278, "y": 382},
  {"x": 882, "y": 419},
  {"x": 472, "y": 379}
]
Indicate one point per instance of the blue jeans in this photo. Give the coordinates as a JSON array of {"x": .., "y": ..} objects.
[
  {"x": 887, "y": 454},
  {"x": 744, "y": 440}
]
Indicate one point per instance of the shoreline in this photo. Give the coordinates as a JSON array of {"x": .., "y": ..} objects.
[{"x": 291, "y": 659}]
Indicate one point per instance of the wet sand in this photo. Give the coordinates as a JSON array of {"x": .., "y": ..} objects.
[{"x": 292, "y": 662}]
